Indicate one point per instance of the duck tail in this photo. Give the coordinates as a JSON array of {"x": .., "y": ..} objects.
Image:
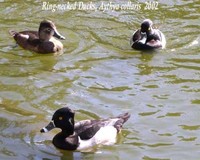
[
  {"x": 122, "y": 119},
  {"x": 13, "y": 33}
]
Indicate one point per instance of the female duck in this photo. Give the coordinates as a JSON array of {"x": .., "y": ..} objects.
[
  {"x": 42, "y": 41},
  {"x": 147, "y": 38},
  {"x": 84, "y": 134}
]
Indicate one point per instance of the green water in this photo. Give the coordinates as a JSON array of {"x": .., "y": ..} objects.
[{"x": 99, "y": 75}]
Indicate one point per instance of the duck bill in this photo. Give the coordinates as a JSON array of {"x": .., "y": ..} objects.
[
  {"x": 49, "y": 127},
  {"x": 57, "y": 34}
]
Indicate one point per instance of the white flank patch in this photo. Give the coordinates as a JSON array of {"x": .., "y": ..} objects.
[
  {"x": 106, "y": 136},
  {"x": 154, "y": 43},
  {"x": 143, "y": 40},
  {"x": 162, "y": 36}
]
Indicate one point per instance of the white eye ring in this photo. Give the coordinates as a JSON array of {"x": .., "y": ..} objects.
[{"x": 70, "y": 121}]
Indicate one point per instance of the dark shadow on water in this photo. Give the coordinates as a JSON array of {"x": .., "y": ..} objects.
[{"x": 70, "y": 155}]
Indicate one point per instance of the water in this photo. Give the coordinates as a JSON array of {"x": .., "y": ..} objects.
[{"x": 99, "y": 75}]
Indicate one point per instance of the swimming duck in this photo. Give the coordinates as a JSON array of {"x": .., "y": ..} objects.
[
  {"x": 41, "y": 41},
  {"x": 147, "y": 37},
  {"x": 84, "y": 134}
]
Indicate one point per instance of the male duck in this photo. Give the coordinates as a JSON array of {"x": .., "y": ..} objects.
[
  {"x": 84, "y": 134},
  {"x": 147, "y": 38},
  {"x": 41, "y": 41}
]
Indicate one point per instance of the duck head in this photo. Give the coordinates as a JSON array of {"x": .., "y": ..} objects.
[
  {"x": 146, "y": 30},
  {"x": 146, "y": 26},
  {"x": 47, "y": 29},
  {"x": 63, "y": 118}
]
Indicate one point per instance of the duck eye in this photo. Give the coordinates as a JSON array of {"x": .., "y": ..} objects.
[
  {"x": 60, "y": 118},
  {"x": 149, "y": 29},
  {"x": 48, "y": 30}
]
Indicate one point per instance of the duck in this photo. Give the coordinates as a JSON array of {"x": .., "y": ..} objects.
[
  {"x": 147, "y": 37},
  {"x": 84, "y": 134},
  {"x": 41, "y": 41}
]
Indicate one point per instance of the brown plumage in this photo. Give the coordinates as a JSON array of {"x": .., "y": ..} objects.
[{"x": 41, "y": 41}]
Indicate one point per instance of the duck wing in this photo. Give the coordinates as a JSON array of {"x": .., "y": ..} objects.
[
  {"x": 25, "y": 38},
  {"x": 88, "y": 128},
  {"x": 32, "y": 34},
  {"x": 155, "y": 36},
  {"x": 136, "y": 36}
]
